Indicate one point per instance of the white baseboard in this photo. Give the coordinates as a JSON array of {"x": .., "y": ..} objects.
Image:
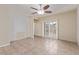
[
  {"x": 23, "y": 38},
  {"x": 5, "y": 45}
]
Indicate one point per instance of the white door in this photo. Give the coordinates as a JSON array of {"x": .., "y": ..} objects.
[
  {"x": 46, "y": 29},
  {"x": 50, "y": 29}
]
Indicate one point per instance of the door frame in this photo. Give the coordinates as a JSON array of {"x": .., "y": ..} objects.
[{"x": 49, "y": 26}]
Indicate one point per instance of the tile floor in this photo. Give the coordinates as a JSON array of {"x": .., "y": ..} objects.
[{"x": 40, "y": 46}]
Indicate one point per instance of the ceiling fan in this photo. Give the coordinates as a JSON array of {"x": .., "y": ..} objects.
[{"x": 42, "y": 10}]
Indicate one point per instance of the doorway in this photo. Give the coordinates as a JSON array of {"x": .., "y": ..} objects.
[{"x": 51, "y": 30}]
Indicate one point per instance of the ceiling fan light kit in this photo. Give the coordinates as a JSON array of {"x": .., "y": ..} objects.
[{"x": 41, "y": 12}]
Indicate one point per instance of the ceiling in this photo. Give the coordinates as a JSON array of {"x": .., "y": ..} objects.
[{"x": 55, "y": 8}]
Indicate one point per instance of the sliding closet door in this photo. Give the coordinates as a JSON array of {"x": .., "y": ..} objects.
[
  {"x": 50, "y": 29},
  {"x": 46, "y": 29}
]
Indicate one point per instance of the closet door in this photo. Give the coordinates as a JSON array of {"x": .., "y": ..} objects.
[
  {"x": 46, "y": 29},
  {"x": 52, "y": 30}
]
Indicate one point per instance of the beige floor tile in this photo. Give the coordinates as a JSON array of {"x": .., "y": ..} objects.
[{"x": 40, "y": 46}]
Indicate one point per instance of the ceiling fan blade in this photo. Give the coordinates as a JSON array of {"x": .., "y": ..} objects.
[
  {"x": 48, "y": 11},
  {"x": 46, "y": 7},
  {"x": 34, "y": 8},
  {"x": 34, "y": 13}
]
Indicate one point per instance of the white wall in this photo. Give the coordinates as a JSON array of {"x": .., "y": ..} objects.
[
  {"x": 78, "y": 25},
  {"x": 30, "y": 27},
  {"x": 66, "y": 25},
  {"x": 22, "y": 24},
  {"x": 38, "y": 29},
  {"x": 14, "y": 24},
  {"x": 5, "y": 26}
]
